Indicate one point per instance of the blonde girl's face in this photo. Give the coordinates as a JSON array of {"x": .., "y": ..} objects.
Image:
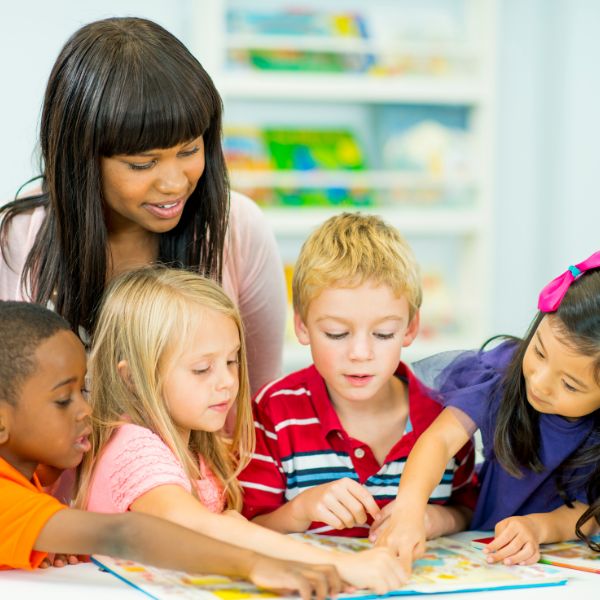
[
  {"x": 558, "y": 379},
  {"x": 201, "y": 381}
]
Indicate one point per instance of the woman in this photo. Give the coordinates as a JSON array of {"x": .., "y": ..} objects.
[{"x": 133, "y": 173}]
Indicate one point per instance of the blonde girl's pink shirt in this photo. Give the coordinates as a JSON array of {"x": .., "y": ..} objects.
[
  {"x": 135, "y": 461},
  {"x": 252, "y": 277}
]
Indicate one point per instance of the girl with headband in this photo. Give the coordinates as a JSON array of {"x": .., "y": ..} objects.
[{"x": 536, "y": 402}]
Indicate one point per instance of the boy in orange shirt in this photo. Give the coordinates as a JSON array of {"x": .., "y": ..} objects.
[{"x": 44, "y": 418}]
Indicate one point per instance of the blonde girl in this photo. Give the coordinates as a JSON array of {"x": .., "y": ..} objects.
[{"x": 167, "y": 364}]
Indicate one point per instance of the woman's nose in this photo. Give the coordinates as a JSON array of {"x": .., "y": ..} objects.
[{"x": 171, "y": 180}]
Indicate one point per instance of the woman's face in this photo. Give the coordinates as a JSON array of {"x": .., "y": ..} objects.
[{"x": 149, "y": 190}]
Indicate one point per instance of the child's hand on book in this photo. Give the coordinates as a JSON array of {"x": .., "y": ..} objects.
[
  {"x": 310, "y": 581},
  {"x": 376, "y": 569},
  {"x": 403, "y": 532},
  {"x": 61, "y": 560},
  {"x": 516, "y": 542},
  {"x": 340, "y": 504}
]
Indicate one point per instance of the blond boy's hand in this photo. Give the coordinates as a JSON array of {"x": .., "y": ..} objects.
[
  {"x": 340, "y": 504},
  {"x": 516, "y": 541},
  {"x": 404, "y": 533},
  {"x": 310, "y": 581}
]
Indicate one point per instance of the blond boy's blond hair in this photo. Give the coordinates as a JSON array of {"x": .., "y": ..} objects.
[
  {"x": 147, "y": 318},
  {"x": 350, "y": 249}
]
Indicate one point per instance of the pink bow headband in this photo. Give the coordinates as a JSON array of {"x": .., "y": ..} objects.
[{"x": 551, "y": 296}]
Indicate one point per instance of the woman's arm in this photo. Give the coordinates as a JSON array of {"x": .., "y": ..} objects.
[
  {"x": 163, "y": 544},
  {"x": 254, "y": 269},
  {"x": 373, "y": 568}
]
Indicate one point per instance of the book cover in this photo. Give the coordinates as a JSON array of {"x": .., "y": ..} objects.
[{"x": 447, "y": 566}]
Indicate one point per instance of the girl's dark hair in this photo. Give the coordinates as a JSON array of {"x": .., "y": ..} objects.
[
  {"x": 517, "y": 437},
  {"x": 119, "y": 86}
]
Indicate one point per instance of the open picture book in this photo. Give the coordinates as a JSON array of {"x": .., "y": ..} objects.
[
  {"x": 573, "y": 555},
  {"x": 448, "y": 566}
]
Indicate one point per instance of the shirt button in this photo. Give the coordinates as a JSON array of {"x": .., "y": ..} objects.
[{"x": 359, "y": 453}]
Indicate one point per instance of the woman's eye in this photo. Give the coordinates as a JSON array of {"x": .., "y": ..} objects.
[
  {"x": 384, "y": 336},
  {"x": 336, "y": 336},
  {"x": 190, "y": 152},
  {"x": 141, "y": 166},
  {"x": 234, "y": 361},
  {"x": 538, "y": 351},
  {"x": 200, "y": 371},
  {"x": 569, "y": 387},
  {"x": 63, "y": 403}
]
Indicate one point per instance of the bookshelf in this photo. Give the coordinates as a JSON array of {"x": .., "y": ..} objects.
[{"x": 411, "y": 82}]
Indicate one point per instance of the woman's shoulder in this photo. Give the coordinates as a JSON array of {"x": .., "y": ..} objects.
[
  {"x": 25, "y": 224},
  {"x": 246, "y": 218}
]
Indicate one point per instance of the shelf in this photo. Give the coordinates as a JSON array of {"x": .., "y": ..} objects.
[
  {"x": 349, "y": 44},
  {"x": 366, "y": 179},
  {"x": 431, "y": 221},
  {"x": 351, "y": 88}
]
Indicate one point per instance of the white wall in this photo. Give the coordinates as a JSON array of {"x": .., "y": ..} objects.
[
  {"x": 548, "y": 155},
  {"x": 31, "y": 36}
]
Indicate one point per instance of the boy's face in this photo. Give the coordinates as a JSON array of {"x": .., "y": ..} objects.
[
  {"x": 356, "y": 336},
  {"x": 49, "y": 424}
]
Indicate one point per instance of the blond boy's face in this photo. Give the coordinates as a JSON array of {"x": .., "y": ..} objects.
[
  {"x": 49, "y": 423},
  {"x": 356, "y": 336}
]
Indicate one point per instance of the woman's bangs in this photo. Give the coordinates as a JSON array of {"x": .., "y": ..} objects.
[{"x": 150, "y": 114}]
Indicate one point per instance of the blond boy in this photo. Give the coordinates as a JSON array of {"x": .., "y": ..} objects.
[{"x": 332, "y": 439}]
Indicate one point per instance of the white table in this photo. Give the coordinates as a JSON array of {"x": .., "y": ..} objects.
[{"x": 86, "y": 582}]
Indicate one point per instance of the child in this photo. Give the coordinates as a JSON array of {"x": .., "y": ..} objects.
[
  {"x": 45, "y": 418},
  {"x": 332, "y": 439},
  {"x": 167, "y": 364},
  {"x": 536, "y": 402}
]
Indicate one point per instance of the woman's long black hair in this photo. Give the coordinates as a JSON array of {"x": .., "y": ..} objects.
[
  {"x": 119, "y": 86},
  {"x": 517, "y": 437}
]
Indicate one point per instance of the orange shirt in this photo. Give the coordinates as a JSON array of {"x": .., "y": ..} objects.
[{"x": 24, "y": 510}]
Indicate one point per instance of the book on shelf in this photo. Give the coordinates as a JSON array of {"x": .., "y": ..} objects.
[
  {"x": 447, "y": 566},
  {"x": 296, "y": 22},
  {"x": 298, "y": 150}
]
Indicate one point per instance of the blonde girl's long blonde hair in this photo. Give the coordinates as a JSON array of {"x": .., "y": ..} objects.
[{"x": 145, "y": 317}]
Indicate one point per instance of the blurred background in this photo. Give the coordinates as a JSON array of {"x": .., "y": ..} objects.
[{"x": 471, "y": 125}]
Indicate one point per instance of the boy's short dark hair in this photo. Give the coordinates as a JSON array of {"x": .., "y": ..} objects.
[{"x": 23, "y": 327}]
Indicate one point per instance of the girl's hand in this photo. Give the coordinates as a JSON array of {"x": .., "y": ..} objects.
[
  {"x": 437, "y": 521},
  {"x": 404, "y": 533},
  {"x": 376, "y": 569},
  {"x": 318, "y": 581},
  {"x": 59, "y": 560},
  {"x": 516, "y": 542},
  {"x": 340, "y": 504}
]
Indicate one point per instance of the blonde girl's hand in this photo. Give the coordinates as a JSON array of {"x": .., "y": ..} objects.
[
  {"x": 376, "y": 569},
  {"x": 516, "y": 542},
  {"x": 341, "y": 504},
  {"x": 310, "y": 581}
]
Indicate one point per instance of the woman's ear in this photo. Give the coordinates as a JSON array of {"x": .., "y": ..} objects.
[
  {"x": 411, "y": 331},
  {"x": 301, "y": 330}
]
